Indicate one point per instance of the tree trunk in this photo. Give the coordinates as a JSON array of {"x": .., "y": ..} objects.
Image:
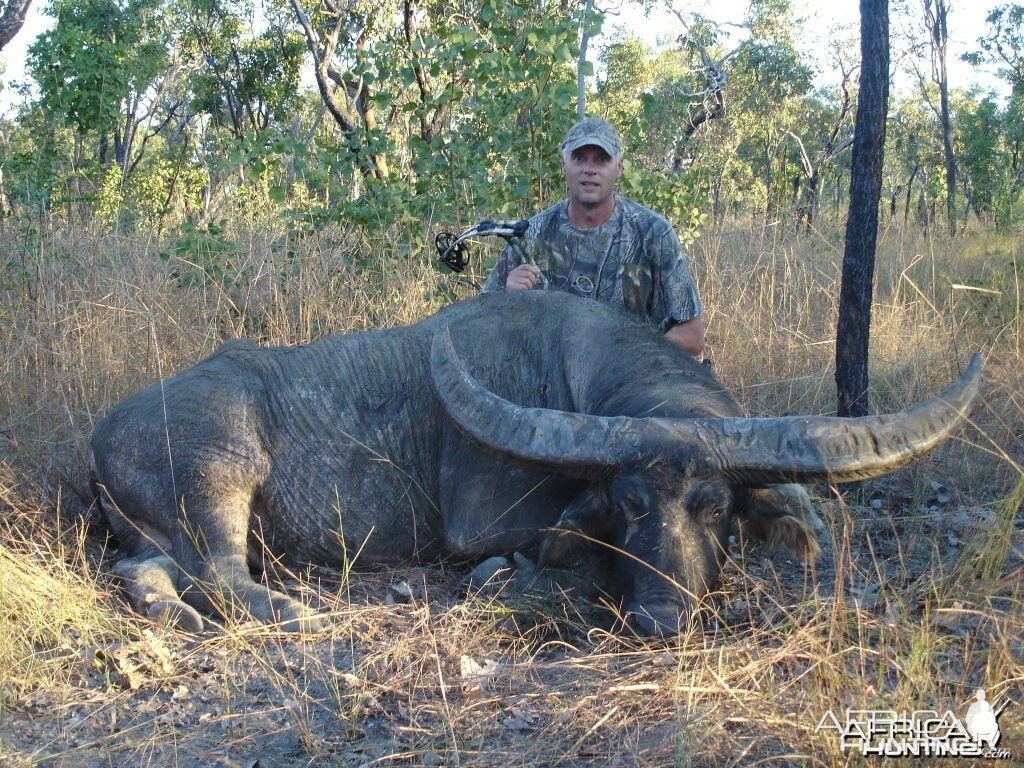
[
  {"x": 853, "y": 330},
  {"x": 938, "y": 31},
  {"x": 5, "y": 206},
  {"x": 910, "y": 188},
  {"x": 346, "y": 97},
  {"x": 12, "y": 19},
  {"x": 581, "y": 78}
]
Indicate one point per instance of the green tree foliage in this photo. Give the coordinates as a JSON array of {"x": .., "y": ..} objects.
[
  {"x": 1003, "y": 45},
  {"x": 762, "y": 144},
  {"x": 511, "y": 68},
  {"x": 95, "y": 66},
  {"x": 774, "y": 82},
  {"x": 99, "y": 71},
  {"x": 911, "y": 156},
  {"x": 38, "y": 168},
  {"x": 446, "y": 108},
  {"x": 245, "y": 84},
  {"x": 151, "y": 111},
  {"x": 981, "y": 149}
]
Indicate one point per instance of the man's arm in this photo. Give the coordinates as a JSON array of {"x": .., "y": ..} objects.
[
  {"x": 511, "y": 274},
  {"x": 675, "y": 293},
  {"x": 497, "y": 279},
  {"x": 688, "y": 335}
]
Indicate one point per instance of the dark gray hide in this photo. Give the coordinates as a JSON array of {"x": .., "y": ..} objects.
[{"x": 504, "y": 423}]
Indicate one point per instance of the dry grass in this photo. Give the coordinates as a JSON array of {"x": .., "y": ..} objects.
[
  {"x": 915, "y": 603},
  {"x": 54, "y": 605}
]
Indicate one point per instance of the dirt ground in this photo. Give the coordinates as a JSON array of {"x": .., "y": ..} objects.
[{"x": 411, "y": 674}]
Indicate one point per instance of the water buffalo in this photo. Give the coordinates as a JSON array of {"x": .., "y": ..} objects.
[{"x": 532, "y": 422}]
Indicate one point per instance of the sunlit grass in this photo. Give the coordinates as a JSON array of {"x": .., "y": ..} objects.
[{"x": 55, "y": 608}]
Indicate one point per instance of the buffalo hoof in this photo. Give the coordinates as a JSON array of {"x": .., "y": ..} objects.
[
  {"x": 309, "y": 624},
  {"x": 518, "y": 576},
  {"x": 174, "y": 613},
  {"x": 659, "y": 620},
  {"x": 649, "y": 626},
  {"x": 292, "y": 616}
]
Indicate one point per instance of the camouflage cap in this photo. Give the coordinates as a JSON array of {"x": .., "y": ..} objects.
[{"x": 593, "y": 131}]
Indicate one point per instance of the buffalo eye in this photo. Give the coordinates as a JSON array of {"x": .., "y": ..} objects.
[
  {"x": 709, "y": 501},
  {"x": 715, "y": 513}
]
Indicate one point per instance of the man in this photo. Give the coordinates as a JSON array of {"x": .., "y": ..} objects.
[{"x": 599, "y": 244}]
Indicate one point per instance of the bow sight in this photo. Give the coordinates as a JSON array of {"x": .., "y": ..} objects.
[{"x": 451, "y": 248}]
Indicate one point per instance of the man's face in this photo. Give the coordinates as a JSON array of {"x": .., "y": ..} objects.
[{"x": 591, "y": 175}]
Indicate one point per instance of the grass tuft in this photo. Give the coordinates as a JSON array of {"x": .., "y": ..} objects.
[{"x": 56, "y": 608}]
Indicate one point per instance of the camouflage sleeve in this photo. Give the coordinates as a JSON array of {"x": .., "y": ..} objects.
[
  {"x": 507, "y": 261},
  {"x": 675, "y": 298}
]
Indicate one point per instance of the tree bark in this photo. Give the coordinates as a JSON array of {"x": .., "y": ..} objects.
[
  {"x": 936, "y": 12},
  {"x": 12, "y": 19},
  {"x": 347, "y": 98},
  {"x": 581, "y": 80},
  {"x": 855, "y": 293}
]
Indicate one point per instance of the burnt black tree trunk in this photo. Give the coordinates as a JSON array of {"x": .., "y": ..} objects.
[{"x": 852, "y": 332}]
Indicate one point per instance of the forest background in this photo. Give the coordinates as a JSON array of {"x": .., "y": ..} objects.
[{"x": 165, "y": 115}]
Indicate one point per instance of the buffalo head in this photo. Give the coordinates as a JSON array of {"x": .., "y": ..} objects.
[{"x": 664, "y": 493}]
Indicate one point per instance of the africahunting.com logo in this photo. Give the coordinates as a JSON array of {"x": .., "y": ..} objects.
[{"x": 922, "y": 733}]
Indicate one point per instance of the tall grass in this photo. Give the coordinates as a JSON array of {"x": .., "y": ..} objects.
[{"x": 917, "y": 601}]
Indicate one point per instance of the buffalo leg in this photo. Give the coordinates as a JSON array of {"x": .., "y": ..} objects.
[
  {"x": 213, "y": 525},
  {"x": 224, "y": 586},
  {"x": 198, "y": 562},
  {"x": 150, "y": 584}
]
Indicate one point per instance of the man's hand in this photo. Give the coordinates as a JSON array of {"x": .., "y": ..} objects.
[
  {"x": 688, "y": 335},
  {"x": 522, "y": 278}
]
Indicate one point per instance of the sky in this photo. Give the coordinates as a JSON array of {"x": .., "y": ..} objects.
[{"x": 966, "y": 24}]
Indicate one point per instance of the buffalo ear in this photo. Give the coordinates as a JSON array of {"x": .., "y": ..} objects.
[
  {"x": 586, "y": 518},
  {"x": 781, "y": 515}
]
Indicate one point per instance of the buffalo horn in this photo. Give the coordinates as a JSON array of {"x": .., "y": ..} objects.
[{"x": 749, "y": 451}]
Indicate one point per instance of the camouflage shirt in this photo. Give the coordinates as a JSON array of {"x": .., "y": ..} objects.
[{"x": 634, "y": 260}]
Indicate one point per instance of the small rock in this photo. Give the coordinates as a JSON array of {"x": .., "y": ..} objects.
[
  {"x": 403, "y": 590},
  {"x": 478, "y": 675},
  {"x": 492, "y": 572}
]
